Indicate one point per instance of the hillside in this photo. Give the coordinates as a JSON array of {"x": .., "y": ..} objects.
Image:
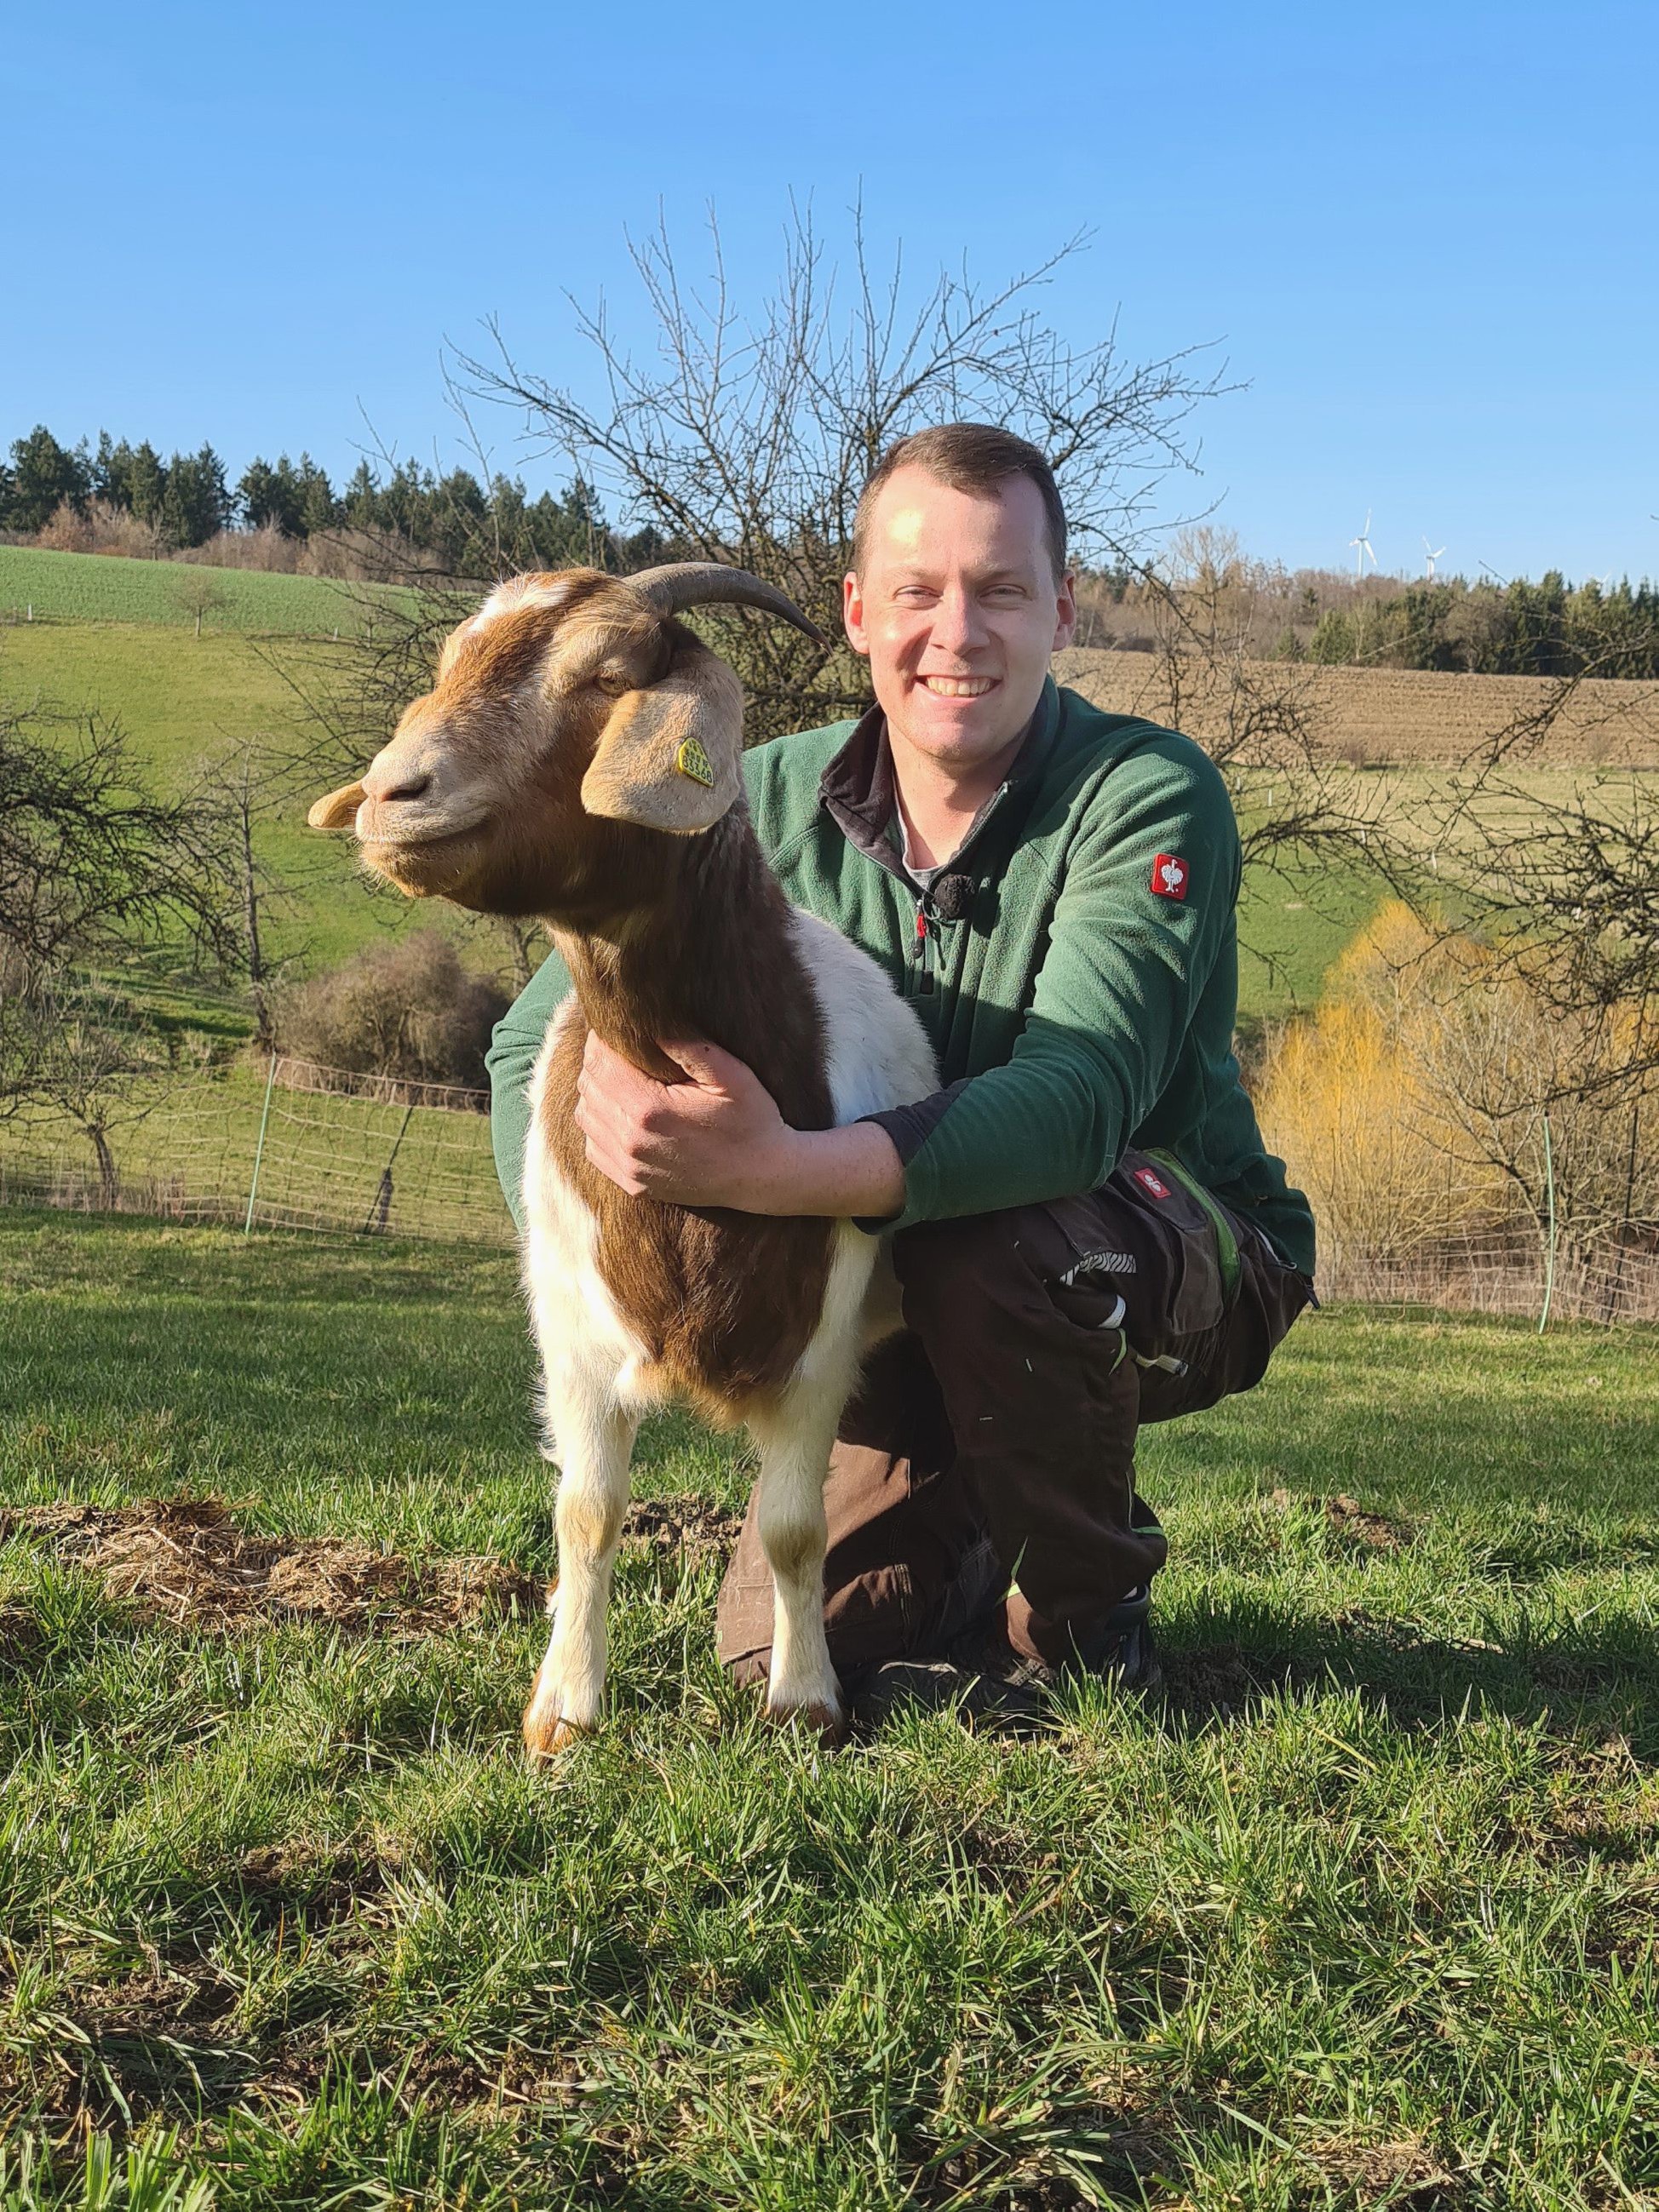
[
  {"x": 1378, "y": 716},
  {"x": 181, "y": 697},
  {"x": 96, "y": 587},
  {"x": 179, "y": 700}
]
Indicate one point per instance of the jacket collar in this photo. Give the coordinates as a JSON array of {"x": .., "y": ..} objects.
[{"x": 857, "y": 789}]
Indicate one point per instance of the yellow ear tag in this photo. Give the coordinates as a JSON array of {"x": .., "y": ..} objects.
[{"x": 692, "y": 761}]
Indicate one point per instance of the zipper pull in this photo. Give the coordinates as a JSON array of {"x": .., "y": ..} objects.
[{"x": 919, "y": 952}]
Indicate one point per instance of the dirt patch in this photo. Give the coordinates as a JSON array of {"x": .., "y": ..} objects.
[
  {"x": 689, "y": 1527},
  {"x": 185, "y": 1560},
  {"x": 1216, "y": 1681},
  {"x": 20, "y": 1634},
  {"x": 1366, "y": 1532},
  {"x": 1401, "y": 2175},
  {"x": 157, "y": 2040},
  {"x": 324, "y": 1881}
]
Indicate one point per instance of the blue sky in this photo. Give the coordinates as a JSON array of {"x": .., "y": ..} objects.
[{"x": 1423, "y": 237}]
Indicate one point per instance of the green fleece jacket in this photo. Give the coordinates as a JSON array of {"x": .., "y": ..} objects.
[{"x": 1075, "y": 964}]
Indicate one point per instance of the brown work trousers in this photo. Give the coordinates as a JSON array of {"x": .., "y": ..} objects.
[{"x": 988, "y": 1459}]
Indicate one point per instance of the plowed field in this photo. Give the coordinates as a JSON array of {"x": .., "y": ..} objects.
[{"x": 1373, "y": 716}]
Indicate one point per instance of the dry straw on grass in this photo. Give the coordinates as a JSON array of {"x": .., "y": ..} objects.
[{"x": 185, "y": 1560}]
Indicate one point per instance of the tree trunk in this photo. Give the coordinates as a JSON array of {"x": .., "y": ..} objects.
[
  {"x": 256, "y": 964},
  {"x": 519, "y": 942},
  {"x": 108, "y": 1182}
]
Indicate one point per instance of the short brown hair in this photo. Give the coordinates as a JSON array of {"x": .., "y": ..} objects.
[{"x": 973, "y": 456}]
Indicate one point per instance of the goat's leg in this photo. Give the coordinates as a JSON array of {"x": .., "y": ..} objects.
[
  {"x": 594, "y": 1440},
  {"x": 795, "y": 1432},
  {"x": 795, "y": 1437}
]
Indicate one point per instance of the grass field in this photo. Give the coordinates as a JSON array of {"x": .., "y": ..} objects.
[
  {"x": 182, "y": 700},
  {"x": 1363, "y": 1912},
  {"x": 96, "y": 587}
]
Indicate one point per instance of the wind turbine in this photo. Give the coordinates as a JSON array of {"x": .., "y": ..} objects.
[
  {"x": 1362, "y": 545},
  {"x": 1431, "y": 553}
]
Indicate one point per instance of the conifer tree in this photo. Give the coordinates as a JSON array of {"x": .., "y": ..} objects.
[
  {"x": 195, "y": 502},
  {"x": 43, "y": 475}
]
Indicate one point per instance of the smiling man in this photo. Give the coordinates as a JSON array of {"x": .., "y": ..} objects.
[{"x": 1087, "y": 1229}]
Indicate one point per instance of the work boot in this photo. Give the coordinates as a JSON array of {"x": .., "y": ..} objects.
[
  {"x": 988, "y": 1682},
  {"x": 1120, "y": 1650}
]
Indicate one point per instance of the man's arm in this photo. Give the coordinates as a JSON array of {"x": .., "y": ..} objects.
[
  {"x": 717, "y": 1138},
  {"x": 510, "y": 1060}
]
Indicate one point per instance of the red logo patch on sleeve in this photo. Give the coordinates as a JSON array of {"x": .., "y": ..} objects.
[
  {"x": 1152, "y": 1182},
  {"x": 1169, "y": 876}
]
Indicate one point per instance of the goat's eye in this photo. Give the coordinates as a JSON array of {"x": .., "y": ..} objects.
[{"x": 613, "y": 681}]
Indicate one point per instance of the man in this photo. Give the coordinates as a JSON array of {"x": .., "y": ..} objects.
[{"x": 1087, "y": 1230}]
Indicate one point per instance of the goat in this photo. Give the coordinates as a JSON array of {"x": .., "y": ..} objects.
[{"x": 577, "y": 761}]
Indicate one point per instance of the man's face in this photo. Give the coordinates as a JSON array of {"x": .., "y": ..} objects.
[{"x": 959, "y": 612}]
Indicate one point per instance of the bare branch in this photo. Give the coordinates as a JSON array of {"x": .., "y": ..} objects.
[{"x": 746, "y": 435}]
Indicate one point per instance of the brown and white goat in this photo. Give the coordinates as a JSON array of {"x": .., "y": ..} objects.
[{"x": 578, "y": 760}]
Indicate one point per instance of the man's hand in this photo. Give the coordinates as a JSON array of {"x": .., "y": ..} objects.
[
  {"x": 719, "y": 1139},
  {"x": 707, "y": 1141}
]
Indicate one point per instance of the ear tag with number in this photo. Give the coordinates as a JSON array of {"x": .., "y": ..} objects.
[{"x": 692, "y": 761}]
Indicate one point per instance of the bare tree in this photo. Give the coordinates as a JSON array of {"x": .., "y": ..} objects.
[
  {"x": 73, "y": 1048},
  {"x": 1567, "y": 882},
  {"x": 199, "y": 594},
  {"x": 91, "y": 859},
  {"x": 1304, "y": 814},
  {"x": 251, "y": 782},
  {"x": 520, "y": 941},
  {"x": 747, "y": 434}
]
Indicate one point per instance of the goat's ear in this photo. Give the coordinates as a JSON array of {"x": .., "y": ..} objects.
[
  {"x": 667, "y": 758},
  {"x": 338, "y": 810}
]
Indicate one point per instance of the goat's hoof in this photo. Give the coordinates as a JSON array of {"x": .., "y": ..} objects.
[
  {"x": 545, "y": 1740},
  {"x": 824, "y": 1720}
]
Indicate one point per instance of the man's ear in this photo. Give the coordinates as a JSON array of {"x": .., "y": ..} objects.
[
  {"x": 852, "y": 613},
  {"x": 1065, "y": 612},
  {"x": 667, "y": 758}
]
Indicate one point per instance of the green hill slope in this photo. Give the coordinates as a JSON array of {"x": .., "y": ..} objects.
[
  {"x": 93, "y": 587},
  {"x": 180, "y": 698}
]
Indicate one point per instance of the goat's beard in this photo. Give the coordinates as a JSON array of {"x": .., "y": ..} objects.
[
  {"x": 468, "y": 870},
  {"x": 438, "y": 867}
]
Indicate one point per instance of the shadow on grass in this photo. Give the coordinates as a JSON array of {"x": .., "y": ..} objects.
[{"x": 1566, "y": 1680}]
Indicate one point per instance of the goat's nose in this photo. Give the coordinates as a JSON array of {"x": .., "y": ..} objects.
[{"x": 396, "y": 784}]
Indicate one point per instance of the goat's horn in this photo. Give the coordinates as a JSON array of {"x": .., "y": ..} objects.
[{"x": 680, "y": 584}]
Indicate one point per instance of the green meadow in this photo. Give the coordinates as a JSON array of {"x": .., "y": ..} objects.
[
  {"x": 183, "y": 701},
  {"x": 182, "y": 698},
  {"x": 38, "y": 586},
  {"x": 1359, "y": 1911}
]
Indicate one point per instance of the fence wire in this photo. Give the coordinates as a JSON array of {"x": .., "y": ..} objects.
[
  {"x": 288, "y": 1144},
  {"x": 292, "y": 1145},
  {"x": 1612, "y": 1277}
]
